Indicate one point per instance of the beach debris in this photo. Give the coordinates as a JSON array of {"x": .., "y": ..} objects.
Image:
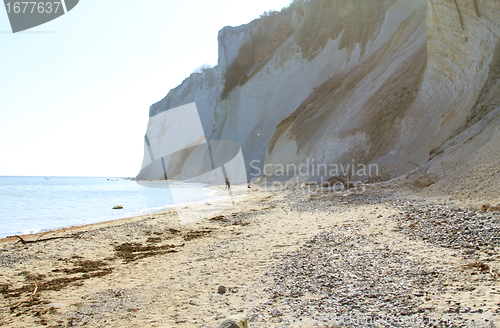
[
  {"x": 174, "y": 231},
  {"x": 236, "y": 321},
  {"x": 219, "y": 218},
  {"x": 195, "y": 234},
  {"x": 130, "y": 252},
  {"x": 221, "y": 289},
  {"x": 118, "y": 207},
  {"x": 24, "y": 241},
  {"x": 30, "y": 295},
  {"x": 478, "y": 266},
  {"x": 153, "y": 240},
  {"x": 85, "y": 266},
  {"x": 17, "y": 304},
  {"x": 489, "y": 208}
]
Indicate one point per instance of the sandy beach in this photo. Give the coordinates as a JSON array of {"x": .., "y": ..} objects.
[{"x": 386, "y": 257}]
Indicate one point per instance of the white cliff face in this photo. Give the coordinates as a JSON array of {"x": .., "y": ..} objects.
[
  {"x": 200, "y": 88},
  {"x": 460, "y": 48},
  {"x": 423, "y": 87},
  {"x": 356, "y": 114},
  {"x": 386, "y": 82},
  {"x": 252, "y": 113}
]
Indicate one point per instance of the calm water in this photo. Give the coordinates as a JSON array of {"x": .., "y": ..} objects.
[{"x": 33, "y": 204}]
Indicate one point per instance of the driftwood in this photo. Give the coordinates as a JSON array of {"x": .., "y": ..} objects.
[
  {"x": 17, "y": 304},
  {"x": 24, "y": 242}
]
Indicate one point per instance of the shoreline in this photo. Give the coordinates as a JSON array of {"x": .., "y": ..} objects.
[
  {"x": 71, "y": 228},
  {"x": 216, "y": 189},
  {"x": 164, "y": 211}
]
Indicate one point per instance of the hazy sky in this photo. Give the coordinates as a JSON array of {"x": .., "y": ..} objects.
[{"x": 75, "y": 92}]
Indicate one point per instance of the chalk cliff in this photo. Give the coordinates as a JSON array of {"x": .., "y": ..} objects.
[
  {"x": 389, "y": 82},
  {"x": 200, "y": 88}
]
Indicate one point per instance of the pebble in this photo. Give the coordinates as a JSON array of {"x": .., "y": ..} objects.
[{"x": 221, "y": 290}]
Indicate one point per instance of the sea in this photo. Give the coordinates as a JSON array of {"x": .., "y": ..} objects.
[{"x": 36, "y": 204}]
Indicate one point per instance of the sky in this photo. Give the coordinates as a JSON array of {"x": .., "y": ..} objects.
[{"x": 75, "y": 92}]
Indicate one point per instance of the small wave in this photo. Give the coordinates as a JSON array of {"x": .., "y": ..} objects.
[{"x": 30, "y": 232}]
